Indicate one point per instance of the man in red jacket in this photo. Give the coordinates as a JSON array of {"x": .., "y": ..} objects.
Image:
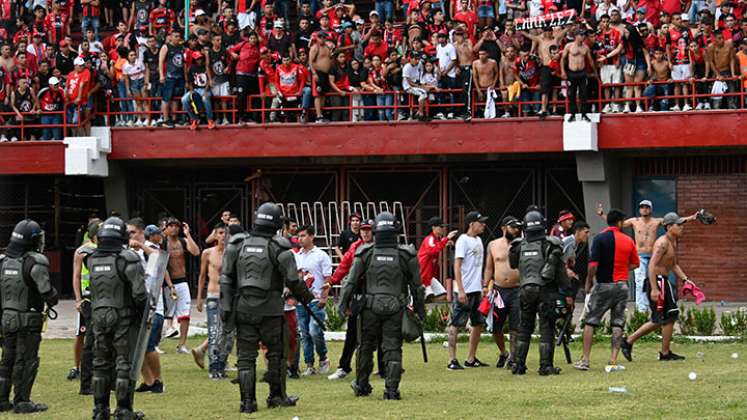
[
  {"x": 351, "y": 335},
  {"x": 290, "y": 78},
  {"x": 428, "y": 254}
]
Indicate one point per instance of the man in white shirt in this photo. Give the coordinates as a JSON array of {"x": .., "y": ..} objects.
[
  {"x": 315, "y": 267},
  {"x": 468, "y": 259},
  {"x": 447, "y": 66},
  {"x": 411, "y": 74}
]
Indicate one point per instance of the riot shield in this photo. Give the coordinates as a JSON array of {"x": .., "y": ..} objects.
[{"x": 155, "y": 271}]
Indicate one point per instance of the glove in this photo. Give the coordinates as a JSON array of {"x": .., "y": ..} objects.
[
  {"x": 705, "y": 217},
  {"x": 225, "y": 315}
]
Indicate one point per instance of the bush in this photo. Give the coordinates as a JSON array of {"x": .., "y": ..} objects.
[
  {"x": 334, "y": 321},
  {"x": 437, "y": 319},
  {"x": 698, "y": 321},
  {"x": 636, "y": 320},
  {"x": 734, "y": 324}
]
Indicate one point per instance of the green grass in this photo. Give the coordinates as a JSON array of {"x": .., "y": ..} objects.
[{"x": 655, "y": 389}]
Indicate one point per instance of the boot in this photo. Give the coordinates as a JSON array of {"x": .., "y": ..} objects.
[
  {"x": 392, "y": 394},
  {"x": 362, "y": 390},
  {"x": 248, "y": 390},
  {"x": 101, "y": 390},
  {"x": 520, "y": 358},
  {"x": 101, "y": 412},
  {"x": 279, "y": 401},
  {"x": 29, "y": 407},
  {"x": 519, "y": 368},
  {"x": 547, "y": 353},
  {"x": 5, "y": 383}
]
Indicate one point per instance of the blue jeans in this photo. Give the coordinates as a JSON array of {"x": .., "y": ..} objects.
[
  {"x": 205, "y": 93},
  {"x": 125, "y": 105},
  {"x": 641, "y": 276},
  {"x": 307, "y": 99},
  {"x": 51, "y": 133},
  {"x": 530, "y": 96},
  {"x": 385, "y": 100},
  {"x": 219, "y": 343},
  {"x": 385, "y": 9},
  {"x": 447, "y": 82},
  {"x": 654, "y": 90},
  {"x": 90, "y": 22},
  {"x": 311, "y": 334},
  {"x": 369, "y": 114}
]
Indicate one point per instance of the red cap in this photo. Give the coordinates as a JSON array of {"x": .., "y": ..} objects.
[
  {"x": 263, "y": 50},
  {"x": 196, "y": 55},
  {"x": 63, "y": 43},
  {"x": 566, "y": 216}
]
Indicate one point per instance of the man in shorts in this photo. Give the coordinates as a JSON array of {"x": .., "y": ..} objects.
[
  {"x": 177, "y": 248},
  {"x": 505, "y": 281},
  {"x": 611, "y": 43},
  {"x": 468, "y": 255},
  {"x": 613, "y": 255},
  {"x": 678, "y": 41},
  {"x": 661, "y": 292}
]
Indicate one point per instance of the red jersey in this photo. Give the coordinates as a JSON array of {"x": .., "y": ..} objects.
[
  {"x": 376, "y": 50},
  {"x": 161, "y": 18},
  {"x": 248, "y": 62},
  {"x": 267, "y": 76},
  {"x": 55, "y": 25},
  {"x": 609, "y": 41},
  {"x": 528, "y": 71},
  {"x": 290, "y": 80},
  {"x": 91, "y": 10},
  {"x": 51, "y": 100},
  {"x": 678, "y": 40},
  {"x": 428, "y": 254},
  {"x": 345, "y": 263},
  {"x": 73, "y": 85},
  {"x": 469, "y": 18}
]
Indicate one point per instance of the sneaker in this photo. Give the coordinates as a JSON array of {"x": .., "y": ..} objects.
[
  {"x": 339, "y": 374},
  {"x": 502, "y": 360},
  {"x": 182, "y": 350},
  {"x": 14, "y": 138},
  {"x": 324, "y": 366},
  {"x": 129, "y": 123},
  {"x": 309, "y": 371},
  {"x": 474, "y": 364},
  {"x": 585, "y": 117},
  {"x": 506, "y": 115},
  {"x": 158, "y": 387},
  {"x": 154, "y": 123},
  {"x": 193, "y": 125},
  {"x": 73, "y": 374},
  {"x": 572, "y": 118},
  {"x": 675, "y": 108},
  {"x": 707, "y": 105},
  {"x": 144, "y": 387},
  {"x": 627, "y": 349},
  {"x": 211, "y": 124},
  {"x": 614, "y": 368},
  {"x": 171, "y": 332},
  {"x": 581, "y": 365},
  {"x": 216, "y": 376},
  {"x": 440, "y": 116},
  {"x": 169, "y": 124},
  {"x": 293, "y": 374},
  {"x": 687, "y": 107},
  {"x": 626, "y": 109},
  {"x": 224, "y": 122},
  {"x": 454, "y": 365},
  {"x": 3, "y": 139},
  {"x": 199, "y": 356},
  {"x": 159, "y": 351},
  {"x": 607, "y": 109},
  {"x": 639, "y": 109},
  {"x": 670, "y": 357},
  {"x": 699, "y": 106}
]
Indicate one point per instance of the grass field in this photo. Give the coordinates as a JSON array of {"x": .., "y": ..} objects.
[{"x": 655, "y": 389}]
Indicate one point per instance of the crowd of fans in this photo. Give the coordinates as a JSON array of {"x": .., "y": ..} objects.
[{"x": 71, "y": 61}]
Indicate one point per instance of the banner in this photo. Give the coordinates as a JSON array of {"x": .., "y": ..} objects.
[{"x": 548, "y": 20}]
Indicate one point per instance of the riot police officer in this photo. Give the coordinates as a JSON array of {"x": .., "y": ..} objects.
[
  {"x": 385, "y": 274},
  {"x": 118, "y": 299},
  {"x": 256, "y": 269},
  {"x": 544, "y": 284},
  {"x": 25, "y": 288}
]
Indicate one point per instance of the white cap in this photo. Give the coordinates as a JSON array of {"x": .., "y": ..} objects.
[
  {"x": 373, "y": 12},
  {"x": 54, "y": 81},
  {"x": 685, "y": 16},
  {"x": 280, "y": 23},
  {"x": 79, "y": 61},
  {"x": 199, "y": 12},
  {"x": 646, "y": 203}
]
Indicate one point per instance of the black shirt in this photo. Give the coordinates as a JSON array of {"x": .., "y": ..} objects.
[
  {"x": 65, "y": 64},
  {"x": 303, "y": 40},
  {"x": 355, "y": 77},
  {"x": 347, "y": 237},
  {"x": 281, "y": 46},
  {"x": 150, "y": 59}
]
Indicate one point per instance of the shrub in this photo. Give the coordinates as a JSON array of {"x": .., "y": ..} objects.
[
  {"x": 734, "y": 324},
  {"x": 437, "y": 319},
  {"x": 636, "y": 320},
  {"x": 334, "y": 321},
  {"x": 698, "y": 321}
]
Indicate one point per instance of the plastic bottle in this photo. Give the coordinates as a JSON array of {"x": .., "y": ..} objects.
[{"x": 618, "y": 390}]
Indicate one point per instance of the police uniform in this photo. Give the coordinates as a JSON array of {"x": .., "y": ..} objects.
[
  {"x": 385, "y": 274},
  {"x": 25, "y": 289},
  {"x": 256, "y": 269},
  {"x": 118, "y": 298},
  {"x": 543, "y": 285},
  {"x": 85, "y": 326}
]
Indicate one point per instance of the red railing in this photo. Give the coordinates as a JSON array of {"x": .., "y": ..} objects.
[{"x": 29, "y": 125}]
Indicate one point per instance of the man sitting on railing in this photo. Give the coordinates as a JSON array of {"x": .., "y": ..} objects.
[
  {"x": 290, "y": 79},
  {"x": 51, "y": 100},
  {"x": 411, "y": 83},
  {"x": 198, "y": 83},
  {"x": 722, "y": 65},
  {"x": 659, "y": 84}
]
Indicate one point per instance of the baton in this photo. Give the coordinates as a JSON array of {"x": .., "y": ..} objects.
[
  {"x": 422, "y": 347},
  {"x": 563, "y": 337},
  {"x": 313, "y": 315}
]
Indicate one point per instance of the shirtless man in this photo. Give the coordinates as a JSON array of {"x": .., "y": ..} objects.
[
  {"x": 542, "y": 44},
  {"x": 645, "y": 228},
  {"x": 720, "y": 60},
  {"x": 660, "y": 72},
  {"x": 573, "y": 68},
  {"x": 505, "y": 281},
  {"x": 320, "y": 63},
  {"x": 484, "y": 73},
  {"x": 7, "y": 61},
  {"x": 663, "y": 294},
  {"x": 465, "y": 57},
  {"x": 177, "y": 268},
  {"x": 217, "y": 345},
  {"x": 507, "y": 74}
]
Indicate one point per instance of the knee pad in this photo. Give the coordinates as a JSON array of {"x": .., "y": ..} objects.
[
  {"x": 122, "y": 388},
  {"x": 101, "y": 387}
]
